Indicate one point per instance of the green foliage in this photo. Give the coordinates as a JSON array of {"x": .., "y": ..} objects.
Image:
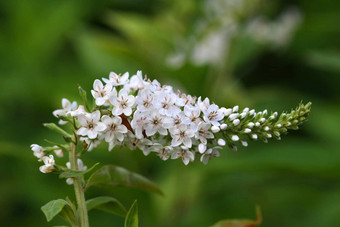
[
  {"x": 107, "y": 204},
  {"x": 115, "y": 176},
  {"x": 59, "y": 207},
  {"x": 131, "y": 219},
  {"x": 241, "y": 223},
  {"x": 48, "y": 47},
  {"x": 67, "y": 173}
]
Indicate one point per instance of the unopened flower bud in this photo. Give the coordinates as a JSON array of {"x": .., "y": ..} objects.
[
  {"x": 247, "y": 130},
  {"x": 233, "y": 116},
  {"x": 215, "y": 129},
  {"x": 244, "y": 143},
  {"x": 235, "y": 138},
  {"x": 223, "y": 126},
  {"x": 236, "y": 122},
  {"x": 221, "y": 142}
]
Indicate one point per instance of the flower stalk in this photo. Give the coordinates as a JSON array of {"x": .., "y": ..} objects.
[{"x": 78, "y": 188}]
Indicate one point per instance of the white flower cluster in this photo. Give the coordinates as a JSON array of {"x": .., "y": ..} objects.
[{"x": 143, "y": 114}]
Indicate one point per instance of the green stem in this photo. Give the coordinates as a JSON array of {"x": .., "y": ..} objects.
[{"x": 78, "y": 188}]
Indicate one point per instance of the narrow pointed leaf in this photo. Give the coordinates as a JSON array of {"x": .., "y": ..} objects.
[
  {"x": 112, "y": 175},
  {"x": 131, "y": 219},
  {"x": 74, "y": 173},
  {"x": 241, "y": 222},
  {"x": 59, "y": 207},
  {"x": 107, "y": 204},
  {"x": 57, "y": 129}
]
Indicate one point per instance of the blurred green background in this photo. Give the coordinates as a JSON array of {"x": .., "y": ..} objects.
[{"x": 263, "y": 54}]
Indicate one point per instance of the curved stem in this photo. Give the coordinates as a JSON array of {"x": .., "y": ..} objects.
[{"x": 78, "y": 188}]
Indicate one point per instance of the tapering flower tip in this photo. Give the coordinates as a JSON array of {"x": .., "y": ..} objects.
[
  {"x": 235, "y": 138},
  {"x": 223, "y": 126},
  {"x": 244, "y": 143},
  {"x": 262, "y": 120},
  {"x": 266, "y": 128},
  {"x": 215, "y": 129},
  {"x": 221, "y": 142},
  {"x": 236, "y": 122},
  {"x": 235, "y": 108},
  {"x": 254, "y": 136},
  {"x": 257, "y": 124}
]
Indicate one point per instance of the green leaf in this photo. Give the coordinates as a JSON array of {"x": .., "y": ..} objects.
[
  {"x": 131, "y": 219},
  {"x": 112, "y": 175},
  {"x": 57, "y": 129},
  {"x": 67, "y": 173},
  {"x": 59, "y": 207},
  {"x": 241, "y": 222},
  {"x": 107, "y": 204}
]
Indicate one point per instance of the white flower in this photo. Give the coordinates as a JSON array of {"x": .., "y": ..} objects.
[
  {"x": 136, "y": 82},
  {"x": 101, "y": 93},
  {"x": 114, "y": 128},
  {"x": 203, "y": 133},
  {"x": 165, "y": 105},
  {"x": 90, "y": 125},
  {"x": 38, "y": 151},
  {"x": 213, "y": 115},
  {"x": 184, "y": 153},
  {"x": 165, "y": 152},
  {"x": 91, "y": 143},
  {"x": 212, "y": 152},
  {"x": 116, "y": 80},
  {"x": 67, "y": 106},
  {"x": 144, "y": 100},
  {"x": 192, "y": 117},
  {"x": 203, "y": 105},
  {"x": 123, "y": 103},
  {"x": 180, "y": 135},
  {"x": 78, "y": 112},
  {"x": 155, "y": 124},
  {"x": 49, "y": 164},
  {"x": 174, "y": 121},
  {"x": 138, "y": 123}
]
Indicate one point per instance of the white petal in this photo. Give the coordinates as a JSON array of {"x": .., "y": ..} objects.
[
  {"x": 187, "y": 142},
  {"x": 95, "y": 115},
  {"x": 100, "y": 127},
  {"x": 82, "y": 120},
  {"x": 127, "y": 111},
  {"x": 97, "y": 85},
  {"x": 92, "y": 134},
  {"x": 82, "y": 131}
]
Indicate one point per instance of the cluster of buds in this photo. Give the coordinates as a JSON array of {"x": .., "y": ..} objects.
[{"x": 143, "y": 114}]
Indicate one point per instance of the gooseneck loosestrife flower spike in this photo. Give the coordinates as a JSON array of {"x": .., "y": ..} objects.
[{"x": 140, "y": 113}]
